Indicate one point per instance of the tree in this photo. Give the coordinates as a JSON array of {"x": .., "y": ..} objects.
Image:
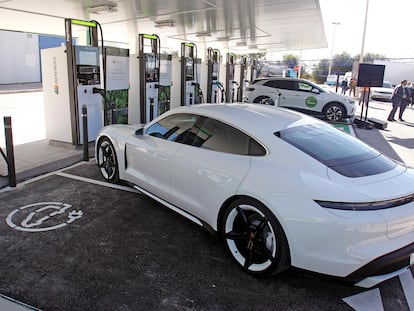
[
  {"x": 290, "y": 60},
  {"x": 342, "y": 63},
  {"x": 370, "y": 57},
  {"x": 321, "y": 71}
]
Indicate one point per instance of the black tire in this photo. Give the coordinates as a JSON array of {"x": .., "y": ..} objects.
[
  {"x": 255, "y": 238},
  {"x": 107, "y": 161},
  {"x": 334, "y": 111},
  {"x": 265, "y": 100}
]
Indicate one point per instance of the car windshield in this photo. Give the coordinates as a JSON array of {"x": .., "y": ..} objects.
[
  {"x": 387, "y": 85},
  {"x": 339, "y": 151}
]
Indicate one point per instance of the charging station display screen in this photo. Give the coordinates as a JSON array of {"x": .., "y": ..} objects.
[
  {"x": 150, "y": 68},
  {"x": 87, "y": 58},
  {"x": 189, "y": 69}
]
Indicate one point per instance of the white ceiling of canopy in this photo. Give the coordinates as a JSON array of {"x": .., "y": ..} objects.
[{"x": 239, "y": 25}]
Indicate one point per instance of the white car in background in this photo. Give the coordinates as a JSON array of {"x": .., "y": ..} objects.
[
  {"x": 280, "y": 188},
  {"x": 382, "y": 93},
  {"x": 301, "y": 95}
]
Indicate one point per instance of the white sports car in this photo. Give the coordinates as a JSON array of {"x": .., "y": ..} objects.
[{"x": 282, "y": 189}]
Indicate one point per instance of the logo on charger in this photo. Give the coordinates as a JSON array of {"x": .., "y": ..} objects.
[{"x": 56, "y": 89}]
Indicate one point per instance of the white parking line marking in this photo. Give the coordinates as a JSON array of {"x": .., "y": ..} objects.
[
  {"x": 366, "y": 301},
  {"x": 407, "y": 283},
  {"x": 97, "y": 182}
]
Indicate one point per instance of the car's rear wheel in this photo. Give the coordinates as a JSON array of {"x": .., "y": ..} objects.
[
  {"x": 107, "y": 160},
  {"x": 255, "y": 238},
  {"x": 265, "y": 100},
  {"x": 334, "y": 111}
]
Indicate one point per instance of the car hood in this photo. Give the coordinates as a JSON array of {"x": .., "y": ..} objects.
[
  {"x": 339, "y": 96},
  {"x": 382, "y": 89}
]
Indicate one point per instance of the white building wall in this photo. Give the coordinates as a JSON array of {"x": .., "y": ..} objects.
[{"x": 19, "y": 57}]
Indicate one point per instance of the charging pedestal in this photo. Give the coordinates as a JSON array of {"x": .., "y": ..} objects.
[
  {"x": 186, "y": 76},
  {"x": 242, "y": 78},
  {"x": 149, "y": 73},
  {"x": 230, "y": 83},
  {"x": 252, "y": 70},
  {"x": 213, "y": 73},
  {"x": 70, "y": 75}
]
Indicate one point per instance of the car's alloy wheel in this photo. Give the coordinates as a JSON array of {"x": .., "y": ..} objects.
[
  {"x": 255, "y": 238},
  {"x": 333, "y": 112},
  {"x": 107, "y": 161}
]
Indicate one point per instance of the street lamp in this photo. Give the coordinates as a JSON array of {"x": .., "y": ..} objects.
[
  {"x": 332, "y": 47},
  {"x": 361, "y": 55}
]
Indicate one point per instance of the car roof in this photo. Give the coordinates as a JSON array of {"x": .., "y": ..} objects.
[
  {"x": 278, "y": 78},
  {"x": 254, "y": 118}
]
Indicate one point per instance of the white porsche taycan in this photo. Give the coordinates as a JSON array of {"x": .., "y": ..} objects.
[{"x": 282, "y": 189}]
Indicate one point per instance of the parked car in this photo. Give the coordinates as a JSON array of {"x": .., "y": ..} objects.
[
  {"x": 281, "y": 189},
  {"x": 301, "y": 95},
  {"x": 382, "y": 93}
]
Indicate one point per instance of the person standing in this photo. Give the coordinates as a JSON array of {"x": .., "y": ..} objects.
[
  {"x": 412, "y": 94},
  {"x": 400, "y": 93},
  {"x": 404, "y": 102},
  {"x": 344, "y": 85},
  {"x": 352, "y": 86}
]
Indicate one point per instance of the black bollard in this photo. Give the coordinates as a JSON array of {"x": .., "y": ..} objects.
[
  {"x": 10, "y": 151},
  {"x": 85, "y": 133}
]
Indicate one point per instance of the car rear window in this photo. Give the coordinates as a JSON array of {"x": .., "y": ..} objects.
[{"x": 339, "y": 151}]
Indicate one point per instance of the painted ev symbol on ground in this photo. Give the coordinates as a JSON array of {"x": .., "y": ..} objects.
[{"x": 44, "y": 216}]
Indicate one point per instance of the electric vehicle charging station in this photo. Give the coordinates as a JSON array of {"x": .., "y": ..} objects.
[
  {"x": 252, "y": 69},
  {"x": 70, "y": 75},
  {"x": 213, "y": 72},
  {"x": 149, "y": 76},
  {"x": 242, "y": 78},
  {"x": 230, "y": 84},
  {"x": 186, "y": 70}
]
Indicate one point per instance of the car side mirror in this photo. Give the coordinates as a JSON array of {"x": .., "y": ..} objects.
[
  {"x": 316, "y": 91},
  {"x": 139, "y": 132}
]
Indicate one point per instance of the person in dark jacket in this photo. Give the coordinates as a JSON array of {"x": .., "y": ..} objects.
[
  {"x": 344, "y": 85},
  {"x": 399, "y": 100}
]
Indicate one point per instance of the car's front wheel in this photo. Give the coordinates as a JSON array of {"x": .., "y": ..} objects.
[
  {"x": 107, "y": 160},
  {"x": 334, "y": 111},
  {"x": 255, "y": 238}
]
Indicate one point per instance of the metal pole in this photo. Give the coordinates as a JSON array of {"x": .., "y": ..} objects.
[
  {"x": 361, "y": 56},
  {"x": 332, "y": 48},
  {"x": 85, "y": 133},
  {"x": 10, "y": 151}
]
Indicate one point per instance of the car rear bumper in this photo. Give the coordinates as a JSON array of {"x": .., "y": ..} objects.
[{"x": 384, "y": 267}]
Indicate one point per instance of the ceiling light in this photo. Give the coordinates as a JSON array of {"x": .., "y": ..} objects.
[
  {"x": 102, "y": 9},
  {"x": 164, "y": 23},
  {"x": 226, "y": 38},
  {"x": 203, "y": 34}
]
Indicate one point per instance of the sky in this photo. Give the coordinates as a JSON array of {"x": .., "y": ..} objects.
[{"x": 389, "y": 31}]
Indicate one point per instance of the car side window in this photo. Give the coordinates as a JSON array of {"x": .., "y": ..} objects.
[
  {"x": 173, "y": 127},
  {"x": 304, "y": 87},
  {"x": 218, "y": 136},
  {"x": 281, "y": 84}
]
